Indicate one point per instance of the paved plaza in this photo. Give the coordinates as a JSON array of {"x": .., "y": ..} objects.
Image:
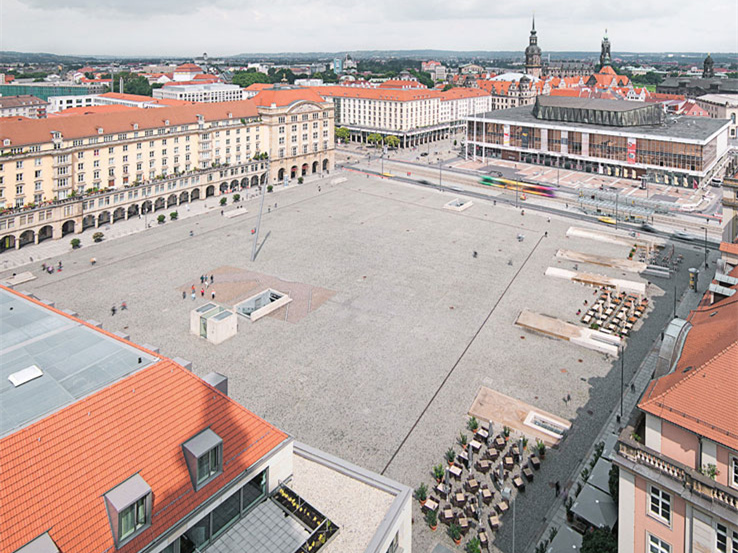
[{"x": 383, "y": 373}]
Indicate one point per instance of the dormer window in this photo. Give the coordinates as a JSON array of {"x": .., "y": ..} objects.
[
  {"x": 129, "y": 509},
  {"x": 204, "y": 457}
]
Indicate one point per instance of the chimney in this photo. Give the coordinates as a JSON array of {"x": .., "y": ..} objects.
[{"x": 217, "y": 381}]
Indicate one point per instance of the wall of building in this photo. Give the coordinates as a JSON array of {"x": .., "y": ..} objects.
[
  {"x": 645, "y": 523},
  {"x": 679, "y": 444}
]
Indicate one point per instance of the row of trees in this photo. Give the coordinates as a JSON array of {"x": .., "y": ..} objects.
[
  {"x": 375, "y": 139},
  {"x": 251, "y": 76}
]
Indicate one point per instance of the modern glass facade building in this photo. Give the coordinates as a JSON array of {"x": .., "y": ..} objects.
[{"x": 611, "y": 137}]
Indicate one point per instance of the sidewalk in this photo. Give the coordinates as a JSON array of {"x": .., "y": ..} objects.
[
  {"x": 48, "y": 249},
  {"x": 556, "y": 516}
]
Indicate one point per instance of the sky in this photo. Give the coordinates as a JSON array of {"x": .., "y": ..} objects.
[{"x": 188, "y": 28}]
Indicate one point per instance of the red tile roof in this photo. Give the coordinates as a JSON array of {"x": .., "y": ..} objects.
[
  {"x": 388, "y": 94},
  {"x": 702, "y": 392},
  {"x": 92, "y": 110},
  {"x": 259, "y": 86},
  {"x": 55, "y": 471},
  {"x": 286, "y": 96},
  {"x": 459, "y": 93},
  {"x": 188, "y": 68},
  {"x": 729, "y": 248},
  {"x": 397, "y": 83},
  {"x": 38, "y": 131}
]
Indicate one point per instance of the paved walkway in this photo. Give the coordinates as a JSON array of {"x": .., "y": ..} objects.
[
  {"x": 49, "y": 249},
  {"x": 556, "y": 516}
]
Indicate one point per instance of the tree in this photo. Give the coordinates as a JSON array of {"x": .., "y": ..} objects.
[
  {"x": 247, "y": 78},
  {"x": 613, "y": 482},
  {"x": 137, "y": 85},
  {"x": 423, "y": 78},
  {"x": 374, "y": 138},
  {"x": 448, "y": 87},
  {"x": 343, "y": 134},
  {"x": 392, "y": 141},
  {"x": 276, "y": 75},
  {"x": 600, "y": 540}
]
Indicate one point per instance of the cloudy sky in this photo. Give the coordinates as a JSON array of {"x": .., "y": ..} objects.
[{"x": 227, "y": 27}]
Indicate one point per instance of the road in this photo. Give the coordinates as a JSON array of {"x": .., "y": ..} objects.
[{"x": 444, "y": 177}]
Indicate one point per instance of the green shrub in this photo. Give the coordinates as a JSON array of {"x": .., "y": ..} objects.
[
  {"x": 223, "y": 201},
  {"x": 270, "y": 188},
  {"x": 75, "y": 243},
  {"x": 98, "y": 236},
  {"x": 161, "y": 219},
  {"x": 173, "y": 215},
  {"x": 236, "y": 197}
]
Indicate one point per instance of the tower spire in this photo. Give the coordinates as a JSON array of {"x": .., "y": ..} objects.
[{"x": 534, "y": 23}]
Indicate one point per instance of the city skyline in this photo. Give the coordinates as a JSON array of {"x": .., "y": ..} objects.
[{"x": 227, "y": 27}]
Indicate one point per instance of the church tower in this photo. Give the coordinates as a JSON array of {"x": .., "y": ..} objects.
[
  {"x": 708, "y": 68},
  {"x": 533, "y": 54},
  {"x": 605, "y": 51}
]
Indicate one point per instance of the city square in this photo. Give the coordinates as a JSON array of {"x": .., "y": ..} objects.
[{"x": 420, "y": 315}]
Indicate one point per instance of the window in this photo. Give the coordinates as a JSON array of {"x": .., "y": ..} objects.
[
  {"x": 204, "y": 457},
  {"x": 734, "y": 472},
  {"x": 132, "y": 518},
  {"x": 657, "y": 545},
  {"x": 660, "y": 505},
  {"x": 129, "y": 508},
  {"x": 721, "y": 538}
]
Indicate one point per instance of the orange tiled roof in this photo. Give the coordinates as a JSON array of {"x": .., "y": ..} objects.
[
  {"x": 188, "y": 68},
  {"x": 398, "y": 83},
  {"x": 703, "y": 399},
  {"x": 38, "y": 131},
  {"x": 389, "y": 94},
  {"x": 259, "y": 86},
  {"x": 92, "y": 110},
  {"x": 286, "y": 96},
  {"x": 461, "y": 93},
  {"x": 700, "y": 394},
  {"x": 56, "y": 470},
  {"x": 729, "y": 248},
  {"x": 128, "y": 97}
]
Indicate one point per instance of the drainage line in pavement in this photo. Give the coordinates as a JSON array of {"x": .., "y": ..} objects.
[{"x": 463, "y": 353}]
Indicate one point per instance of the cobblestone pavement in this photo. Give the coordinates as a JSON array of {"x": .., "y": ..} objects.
[{"x": 384, "y": 372}]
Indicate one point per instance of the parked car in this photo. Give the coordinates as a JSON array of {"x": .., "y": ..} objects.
[
  {"x": 647, "y": 227},
  {"x": 606, "y": 220}
]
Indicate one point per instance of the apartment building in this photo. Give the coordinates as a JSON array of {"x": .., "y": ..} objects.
[
  {"x": 721, "y": 106},
  {"x": 415, "y": 115},
  {"x": 23, "y": 106},
  {"x": 678, "y": 483},
  {"x": 123, "y": 449},
  {"x": 213, "y": 92},
  {"x": 68, "y": 174}
]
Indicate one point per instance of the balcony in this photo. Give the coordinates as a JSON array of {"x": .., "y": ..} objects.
[{"x": 694, "y": 483}]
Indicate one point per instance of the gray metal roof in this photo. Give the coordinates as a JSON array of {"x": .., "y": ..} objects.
[
  {"x": 600, "y": 476},
  {"x": 675, "y": 127},
  {"x": 596, "y": 507},
  {"x": 128, "y": 492},
  {"x": 726, "y": 279},
  {"x": 202, "y": 443},
  {"x": 722, "y": 290},
  {"x": 75, "y": 361},
  {"x": 591, "y": 103},
  {"x": 566, "y": 541}
]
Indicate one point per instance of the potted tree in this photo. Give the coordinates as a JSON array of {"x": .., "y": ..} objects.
[
  {"x": 438, "y": 473},
  {"x": 223, "y": 201},
  {"x": 540, "y": 449},
  {"x": 454, "y": 532},
  {"x": 474, "y": 545},
  {"x": 270, "y": 188},
  {"x": 173, "y": 215},
  {"x": 506, "y": 432},
  {"x": 462, "y": 440},
  {"x": 98, "y": 236},
  {"x": 473, "y": 424},
  {"x": 450, "y": 456},
  {"x": 300, "y": 180},
  {"x": 160, "y": 219},
  {"x": 75, "y": 243},
  {"x": 421, "y": 493},
  {"x": 236, "y": 198},
  {"x": 431, "y": 517}
]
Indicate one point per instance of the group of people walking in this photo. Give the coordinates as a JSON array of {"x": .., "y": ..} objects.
[{"x": 205, "y": 283}]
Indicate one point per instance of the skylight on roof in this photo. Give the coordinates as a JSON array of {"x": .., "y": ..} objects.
[{"x": 26, "y": 375}]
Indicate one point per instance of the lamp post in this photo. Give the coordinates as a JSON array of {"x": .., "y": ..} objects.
[
  {"x": 617, "y": 195},
  {"x": 622, "y": 382},
  {"x": 705, "y": 247},
  {"x": 440, "y": 177}
]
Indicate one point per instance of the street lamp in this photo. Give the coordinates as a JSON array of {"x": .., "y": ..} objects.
[
  {"x": 261, "y": 210},
  {"x": 706, "y": 248},
  {"x": 622, "y": 383},
  {"x": 440, "y": 178}
]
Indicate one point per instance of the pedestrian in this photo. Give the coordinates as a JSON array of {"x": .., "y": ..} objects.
[
  {"x": 193, "y": 295},
  {"x": 558, "y": 488},
  {"x": 123, "y": 306},
  {"x": 568, "y": 398},
  {"x": 202, "y": 292},
  {"x": 43, "y": 266},
  {"x": 202, "y": 279},
  {"x": 474, "y": 255},
  {"x": 319, "y": 189},
  {"x": 112, "y": 311},
  {"x": 184, "y": 295},
  {"x": 211, "y": 279},
  {"x": 549, "y": 219},
  {"x": 221, "y": 212},
  {"x": 193, "y": 289},
  {"x": 545, "y": 234},
  {"x": 212, "y": 295}
]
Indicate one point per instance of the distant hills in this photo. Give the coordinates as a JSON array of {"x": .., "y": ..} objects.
[{"x": 443, "y": 55}]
